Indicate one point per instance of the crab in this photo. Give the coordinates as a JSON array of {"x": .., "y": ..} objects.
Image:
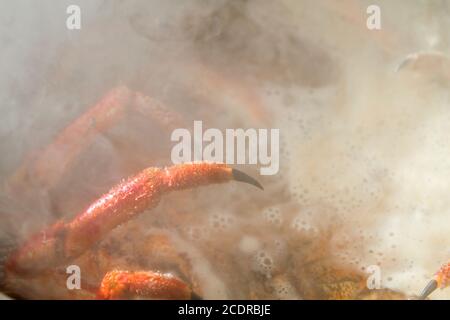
[
  {"x": 36, "y": 268},
  {"x": 43, "y": 257}
]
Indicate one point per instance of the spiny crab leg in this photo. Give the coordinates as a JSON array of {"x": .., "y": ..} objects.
[
  {"x": 441, "y": 280},
  {"x": 54, "y": 160},
  {"x": 120, "y": 284},
  {"x": 63, "y": 242}
]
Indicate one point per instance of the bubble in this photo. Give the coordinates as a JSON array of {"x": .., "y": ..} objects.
[
  {"x": 264, "y": 263},
  {"x": 249, "y": 244},
  {"x": 273, "y": 216},
  {"x": 221, "y": 221},
  {"x": 301, "y": 225},
  {"x": 197, "y": 233},
  {"x": 283, "y": 289}
]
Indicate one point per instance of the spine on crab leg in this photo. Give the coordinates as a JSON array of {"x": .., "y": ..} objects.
[{"x": 63, "y": 242}]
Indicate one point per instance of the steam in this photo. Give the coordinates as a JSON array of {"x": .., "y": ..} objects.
[{"x": 364, "y": 148}]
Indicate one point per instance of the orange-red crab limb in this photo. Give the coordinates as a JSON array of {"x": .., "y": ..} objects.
[
  {"x": 63, "y": 242},
  {"x": 441, "y": 280},
  {"x": 51, "y": 163},
  {"x": 119, "y": 284}
]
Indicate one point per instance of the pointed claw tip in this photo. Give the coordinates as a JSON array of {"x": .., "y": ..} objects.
[
  {"x": 243, "y": 177},
  {"x": 431, "y": 286}
]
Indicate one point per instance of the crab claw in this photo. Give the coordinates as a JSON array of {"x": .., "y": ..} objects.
[
  {"x": 430, "y": 287},
  {"x": 243, "y": 177},
  {"x": 65, "y": 241},
  {"x": 441, "y": 280}
]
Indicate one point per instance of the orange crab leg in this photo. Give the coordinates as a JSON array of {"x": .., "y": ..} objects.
[
  {"x": 441, "y": 280},
  {"x": 63, "y": 242},
  {"x": 51, "y": 163},
  {"x": 119, "y": 284}
]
